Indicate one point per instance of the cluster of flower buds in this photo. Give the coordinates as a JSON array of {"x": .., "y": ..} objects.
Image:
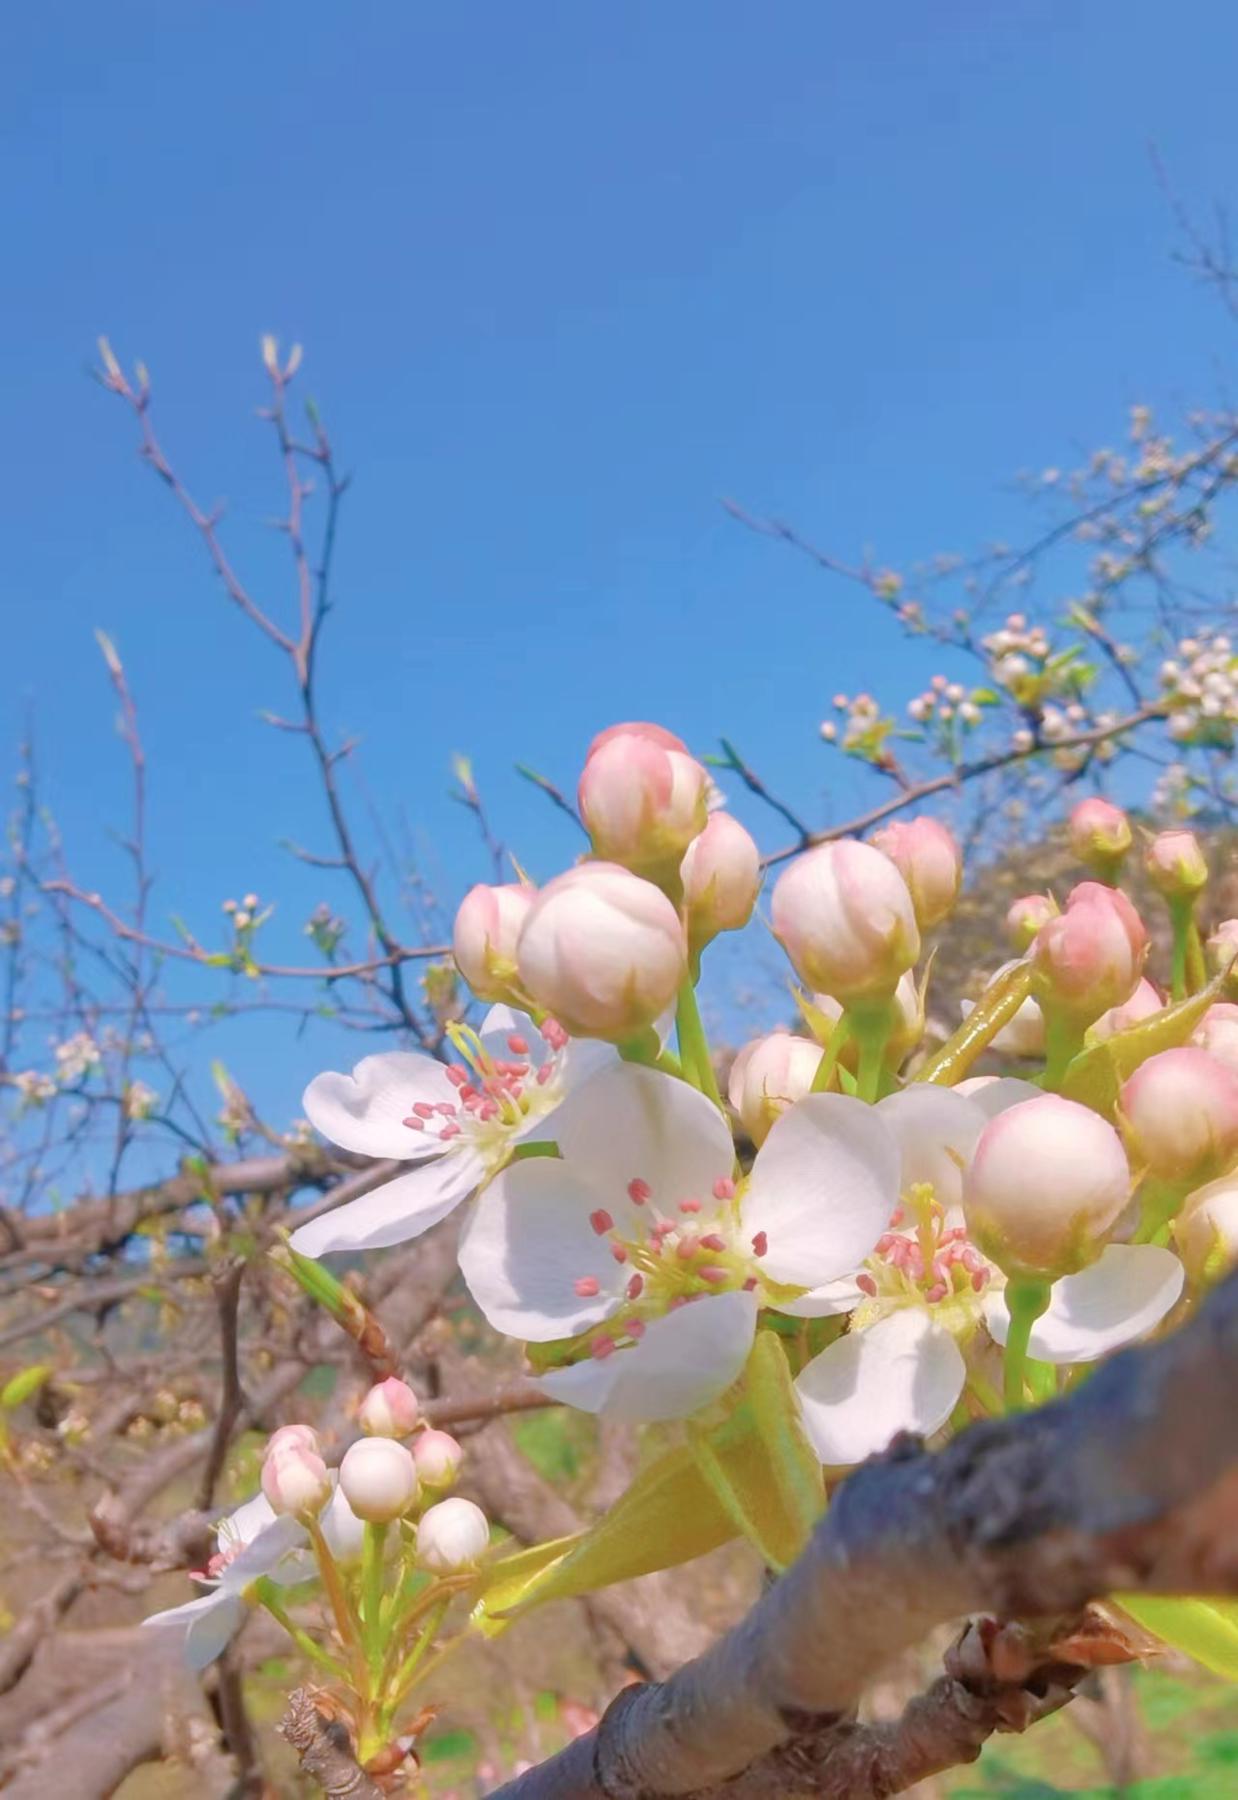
[
  {"x": 866, "y": 729},
  {"x": 77, "y": 1057},
  {"x": 927, "y": 856},
  {"x": 294, "y": 1476},
  {"x": 943, "y": 701},
  {"x": 1100, "y": 836},
  {"x": 846, "y": 919},
  {"x": 1090, "y": 957},
  {"x": 1201, "y": 690},
  {"x": 642, "y": 798}
]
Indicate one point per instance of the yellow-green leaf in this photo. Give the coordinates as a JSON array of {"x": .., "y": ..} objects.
[
  {"x": 1204, "y": 1629},
  {"x": 1095, "y": 1077},
  {"x": 24, "y": 1384},
  {"x": 510, "y": 1580},
  {"x": 996, "y": 1007}
]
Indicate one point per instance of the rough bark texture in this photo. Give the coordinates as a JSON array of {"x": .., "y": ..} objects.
[
  {"x": 324, "y": 1750},
  {"x": 1131, "y": 1483}
]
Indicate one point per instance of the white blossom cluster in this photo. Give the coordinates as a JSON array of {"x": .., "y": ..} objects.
[{"x": 1201, "y": 689}]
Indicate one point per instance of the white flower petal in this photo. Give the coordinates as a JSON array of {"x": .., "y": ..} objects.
[
  {"x": 263, "y": 1555},
  {"x": 905, "y": 1373},
  {"x": 824, "y": 1302},
  {"x": 937, "y": 1131},
  {"x": 527, "y": 1243},
  {"x": 822, "y": 1189},
  {"x": 683, "y": 1361},
  {"x": 993, "y": 1094},
  {"x": 401, "y": 1209},
  {"x": 242, "y": 1526},
  {"x": 209, "y": 1624},
  {"x": 1119, "y": 1298},
  {"x": 365, "y": 1111},
  {"x": 630, "y": 1123}
]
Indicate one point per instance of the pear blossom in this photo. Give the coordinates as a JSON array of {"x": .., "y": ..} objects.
[
  {"x": 1100, "y": 833},
  {"x": 455, "y": 1125},
  {"x": 252, "y": 1543},
  {"x": 1175, "y": 865},
  {"x": 295, "y": 1481},
  {"x": 378, "y": 1478},
  {"x": 643, "y": 1257},
  {"x": 1217, "y": 1033},
  {"x": 770, "y": 1074},
  {"x": 452, "y": 1536},
  {"x": 438, "y": 1457},
  {"x": 1026, "y": 915},
  {"x": 721, "y": 874},
  {"x": 389, "y": 1409},
  {"x": 1142, "y": 1004},
  {"x": 1223, "y": 945},
  {"x": 642, "y": 796},
  {"x": 1206, "y": 1231},
  {"x": 1090, "y": 959},
  {"x": 1180, "y": 1115},
  {"x": 487, "y": 928},
  {"x": 926, "y": 854},
  {"x": 845, "y": 917}
]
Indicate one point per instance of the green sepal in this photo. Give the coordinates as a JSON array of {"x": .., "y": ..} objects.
[
  {"x": 1095, "y": 1077},
  {"x": 996, "y": 1007},
  {"x": 1204, "y": 1629}
]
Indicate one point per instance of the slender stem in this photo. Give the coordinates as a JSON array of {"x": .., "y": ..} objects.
[
  {"x": 406, "y": 1673},
  {"x": 341, "y": 1606},
  {"x": 266, "y": 1592},
  {"x": 829, "y": 1062},
  {"x": 1180, "y": 917},
  {"x": 1025, "y": 1300},
  {"x": 698, "y": 1065},
  {"x": 871, "y": 1030},
  {"x": 1063, "y": 1042},
  {"x": 372, "y": 1594},
  {"x": 1159, "y": 1202}
]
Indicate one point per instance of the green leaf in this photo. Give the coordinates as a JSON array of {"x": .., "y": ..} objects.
[
  {"x": 998, "y": 1004},
  {"x": 1204, "y": 1629},
  {"x": 1095, "y": 1077},
  {"x": 20, "y": 1387},
  {"x": 510, "y": 1580}
]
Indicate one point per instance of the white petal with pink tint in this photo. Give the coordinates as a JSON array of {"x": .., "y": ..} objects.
[
  {"x": 402, "y": 1208},
  {"x": 905, "y": 1373},
  {"x": 822, "y": 1189},
  {"x": 936, "y": 1131},
  {"x": 1118, "y": 1299},
  {"x": 529, "y": 1242},
  {"x": 826, "y": 1301},
  {"x": 365, "y": 1112},
  {"x": 630, "y": 1123},
  {"x": 683, "y": 1361}
]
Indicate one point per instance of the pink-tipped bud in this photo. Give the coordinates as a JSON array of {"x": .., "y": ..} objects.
[
  {"x": 769, "y": 1075},
  {"x": 389, "y": 1410},
  {"x": 1046, "y": 1185},
  {"x": 295, "y": 1481},
  {"x": 844, "y": 916},
  {"x": 1175, "y": 865},
  {"x": 452, "y": 1536},
  {"x": 721, "y": 874},
  {"x": 438, "y": 1457},
  {"x": 1142, "y": 1004},
  {"x": 603, "y": 951},
  {"x": 1090, "y": 958},
  {"x": 379, "y": 1479},
  {"x": 1206, "y": 1231},
  {"x": 304, "y": 1437},
  {"x": 1223, "y": 946},
  {"x": 927, "y": 856},
  {"x": 488, "y": 925},
  {"x": 1180, "y": 1116},
  {"x": 1217, "y": 1033},
  {"x": 642, "y": 797},
  {"x": 1026, "y": 916},
  {"x": 1100, "y": 834}
]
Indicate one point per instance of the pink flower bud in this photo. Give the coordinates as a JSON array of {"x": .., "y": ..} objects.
[
  {"x": 721, "y": 874},
  {"x": 488, "y": 925},
  {"x": 1100, "y": 834},
  {"x": 1025, "y": 916},
  {"x": 844, "y": 916},
  {"x": 295, "y": 1481},
  {"x": 1206, "y": 1231},
  {"x": 1217, "y": 1033},
  {"x": 389, "y": 1410},
  {"x": 642, "y": 797},
  {"x": 1142, "y": 1004},
  {"x": 303, "y": 1436},
  {"x": 438, "y": 1457},
  {"x": 603, "y": 951},
  {"x": 1223, "y": 945},
  {"x": 1046, "y": 1185},
  {"x": 1180, "y": 1116},
  {"x": 770, "y": 1074},
  {"x": 1090, "y": 958},
  {"x": 927, "y": 856},
  {"x": 1175, "y": 865},
  {"x": 379, "y": 1479},
  {"x": 452, "y": 1536}
]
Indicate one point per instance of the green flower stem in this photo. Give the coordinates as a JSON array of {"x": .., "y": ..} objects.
[
  {"x": 648, "y": 1052},
  {"x": 268, "y": 1596},
  {"x": 1180, "y": 915},
  {"x": 406, "y": 1674},
  {"x": 1063, "y": 1042},
  {"x": 871, "y": 1028},
  {"x": 829, "y": 1062},
  {"x": 694, "y": 1054},
  {"x": 346, "y": 1623},
  {"x": 372, "y": 1594},
  {"x": 1025, "y": 1300},
  {"x": 1159, "y": 1204},
  {"x": 1196, "y": 964}
]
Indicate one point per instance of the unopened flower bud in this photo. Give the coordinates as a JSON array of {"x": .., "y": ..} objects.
[
  {"x": 721, "y": 875},
  {"x": 379, "y": 1479},
  {"x": 1026, "y": 915},
  {"x": 452, "y": 1536},
  {"x": 438, "y": 1457},
  {"x": 1142, "y": 1004},
  {"x": 1046, "y": 1185},
  {"x": 1090, "y": 958},
  {"x": 844, "y": 916},
  {"x": 1223, "y": 946},
  {"x": 1176, "y": 866},
  {"x": 1100, "y": 834},
  {"x": 304, "y": 1437},
  {"x": 769, "y": 1075},
  {"x": 1180, "y": 1116},
  {"x": 295, "y": 1481},
  {"x": 642, "y": 797},
  {"x": 488, "y": 925},
  {"x": 603, "y": 951},
  {"x": 389, "y": 1410},
  {"x": 1217, "y": 1033},
  {"x": 927, "y": 856},
  {"x": 1206, "y": 1231}
]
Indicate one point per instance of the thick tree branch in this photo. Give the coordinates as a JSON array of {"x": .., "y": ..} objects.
[
  {"x": 1131, "y": 1483},
  {"x": 324, "y": 1750}
]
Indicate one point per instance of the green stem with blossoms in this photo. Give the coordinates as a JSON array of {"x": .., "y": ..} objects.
[
  {"x": 871, "y": 1028},
  {"x": 372, "y": 1594},
  {"x": 698, "y": 1066},
  {"x": 1063, "y": 1042},
  {"x": 829, "y": 1062},
  {"x": 1025, "y": 1301}
]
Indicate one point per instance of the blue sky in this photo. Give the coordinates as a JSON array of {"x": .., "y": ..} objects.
[{"x": 565, "y": 275}]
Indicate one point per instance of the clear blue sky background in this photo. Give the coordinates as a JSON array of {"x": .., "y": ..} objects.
[{"x": 565, "y": 275}]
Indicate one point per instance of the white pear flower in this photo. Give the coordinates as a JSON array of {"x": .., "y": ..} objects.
[
  {"x": 641, "y": 1245},
  {"x": 918, "y": 1302},
  {"x": 456, "y": 1125},
  {"x": 252, "y": 1543}
]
